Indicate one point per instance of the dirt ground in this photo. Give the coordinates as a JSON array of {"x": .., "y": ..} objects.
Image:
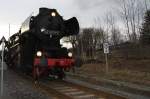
[{"x": 134, "y": 71}]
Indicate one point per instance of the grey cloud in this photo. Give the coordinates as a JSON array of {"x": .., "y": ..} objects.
[
  {"x": 87, "y": 4},
  {"x": 90, "y": 4}
]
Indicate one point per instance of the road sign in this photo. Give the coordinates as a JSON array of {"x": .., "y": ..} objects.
[
  {"x": 106, "y": 51},
  {"x": 106, "y": 48}
]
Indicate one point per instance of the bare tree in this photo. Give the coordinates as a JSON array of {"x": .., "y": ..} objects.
[
  {"x": 125, "y": 15},
  {"x": 131, "y": 12},
  {"x": 111, "y": 21},
  {"x": 116, "y": 36},
  {"x": 100, "y": 31},
  {"x": 87, "y": 41},
  {"x": 98, "y": 39}
]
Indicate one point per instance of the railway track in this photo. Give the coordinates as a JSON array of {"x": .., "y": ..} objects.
[
  {"x": 68, "y": 90},
  {"x": 62, "y": 89}
]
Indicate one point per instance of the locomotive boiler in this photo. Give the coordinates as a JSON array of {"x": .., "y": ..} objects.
[{"x": 36, "y": 48}]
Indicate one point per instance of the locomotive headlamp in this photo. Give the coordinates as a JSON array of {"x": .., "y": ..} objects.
[
  {"x": 70, "y": 54},
  {"x": 43, "y": 29},
  {"x": 39, "y": 53},
  {"x": 53, "y": 14}
]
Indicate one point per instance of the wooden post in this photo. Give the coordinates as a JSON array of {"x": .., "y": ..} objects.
[
  {"x": 107, "y": 66},
  {"x": 106, "y": 51}
]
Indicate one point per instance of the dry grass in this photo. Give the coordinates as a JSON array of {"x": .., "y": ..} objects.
[
  {"x": 129, "y": 63},
  {"x": 134, "y": 71}
]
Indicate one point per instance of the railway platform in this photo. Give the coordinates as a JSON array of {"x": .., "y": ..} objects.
[{"x": 15, "y": 87}]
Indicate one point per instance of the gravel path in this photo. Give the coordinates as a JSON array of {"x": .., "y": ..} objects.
[{"x": 15, "y": 87}]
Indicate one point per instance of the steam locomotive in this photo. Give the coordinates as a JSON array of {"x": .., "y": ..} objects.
[{"x": 36, "y": 48}]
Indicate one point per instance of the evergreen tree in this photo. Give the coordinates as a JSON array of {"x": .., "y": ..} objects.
[{"x": 145, "y": 31}]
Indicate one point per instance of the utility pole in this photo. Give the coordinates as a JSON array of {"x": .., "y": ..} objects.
[
  {"x": 9, "y": 30},
  {"x": 2, "y": 65}
]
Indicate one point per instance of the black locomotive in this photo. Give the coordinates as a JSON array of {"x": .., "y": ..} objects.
[{"x": 36, "y": 47}]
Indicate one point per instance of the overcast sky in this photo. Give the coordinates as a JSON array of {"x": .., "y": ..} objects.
[{"x": 14, "y": 12}]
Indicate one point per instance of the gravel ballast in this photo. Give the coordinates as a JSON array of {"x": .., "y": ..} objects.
[{"x": 16, "y": 87}]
